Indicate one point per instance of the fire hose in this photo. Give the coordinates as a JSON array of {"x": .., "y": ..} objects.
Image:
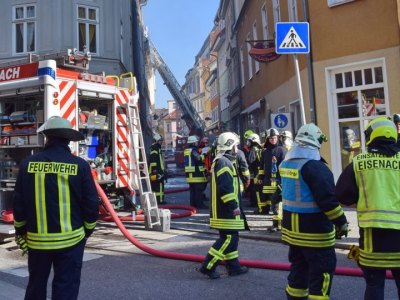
[{"x": 199, "y": 258}]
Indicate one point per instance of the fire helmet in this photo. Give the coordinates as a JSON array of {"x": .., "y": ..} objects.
[
  {"x": 157, "y": 137},
  {"x": 60, "y": 127},
  {"x": 192, "y": 139},
  {"x": 287, "y": 134},
  {"x": 255, "y": 138},
  {"x": 310, "y": 135},
  {"x": 271, "y": 132},
  {"x": 396, "y": 118},
  {"x": 226, "y": 141},
  {"x": 380, "y": 128},
  {"x": 247, "y": 133}
]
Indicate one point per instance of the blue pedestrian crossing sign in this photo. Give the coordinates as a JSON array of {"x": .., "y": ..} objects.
[{"x": 292, "y": 37}]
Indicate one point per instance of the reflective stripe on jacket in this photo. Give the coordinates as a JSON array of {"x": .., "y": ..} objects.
[
  {"x": 55, "y": 200},
  {"x": 194, "y": 166},
  {"x": 225, "y": 196},
  {"x": 378, "y": 207},
  {"x": 296, "y": 195}
]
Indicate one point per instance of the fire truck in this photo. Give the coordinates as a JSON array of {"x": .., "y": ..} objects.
[{"x": 103, "y": 108}]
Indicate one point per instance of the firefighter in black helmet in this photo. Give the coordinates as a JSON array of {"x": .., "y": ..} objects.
[
  {"x": 268, "y": 175},
  {"x": 396, "y": 120}
]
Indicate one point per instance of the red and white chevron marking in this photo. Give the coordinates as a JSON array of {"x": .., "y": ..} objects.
[
  {"x": 122, "y": 140},
  {"x": 68, "y": 101}
]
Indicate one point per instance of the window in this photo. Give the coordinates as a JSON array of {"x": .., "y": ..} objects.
[
  {"x": 277, "y": 11},
  {"x": 257, "y": 64},
  {"x": 88, "y": 29},
  {"x": 264, "y": 20},
  {"x": 24, "y": 27},
  {"x": 292, "y": 7},
  {"x": 359, "y": 94},
  {"x": 249, "y": 59}
]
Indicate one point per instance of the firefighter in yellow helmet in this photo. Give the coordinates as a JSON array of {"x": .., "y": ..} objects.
[
  {"x": 371, "y": 183},
  {"x": 226, "y": 214},
  {"x": 157, "y": 169},
  {"x": 55, "y": 206},
  {"x": 311, "y": 213},
  {"x": 195, "y": 172}
]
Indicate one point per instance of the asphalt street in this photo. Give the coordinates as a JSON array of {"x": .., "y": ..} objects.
[{"x": 116, "y": 269}]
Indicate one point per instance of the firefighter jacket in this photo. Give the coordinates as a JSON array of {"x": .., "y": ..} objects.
[
  {"x": 309, "y": 205},
  {"x": 271, "y": 158},
  {"x": 194, "y": 166},
  {"x": 244, "y": 173},
  {"x": 225, "y": 195},
  {"x": 156, "y": 163},
  {"x": 55, "y": 201},
  {"x": 254, "y": 160},
  {"x": 371, "y": 182}
]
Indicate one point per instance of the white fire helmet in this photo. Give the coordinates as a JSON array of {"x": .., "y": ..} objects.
[
  {"x": 255, "y": 138},
  {"x": 192, "y": 139},
  {"x": 310, "y": 135},
  {"x": 226, "y": 141}
]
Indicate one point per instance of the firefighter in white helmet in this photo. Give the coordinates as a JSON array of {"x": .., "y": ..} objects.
[
  {"x": 268, "y": 175},
  {"x": 371, "y": 183},
  {"x": 226, "y": 214},
  {"x": 157, "y": 169},
  {"x": 286, "y": 139},
  {"x": 311, "y": 213},
  {"x": 254, "y": 158},
  {"x": 195, "y": 172},
  {"x": 55, "y": 206}
]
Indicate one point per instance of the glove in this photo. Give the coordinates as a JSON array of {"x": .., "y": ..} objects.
[
  {"x": 342, "y": 230},
  {"x": 22, "y": 244},
  {"x": 88, "y": 233},
  {"x": 354, "y": 253}
]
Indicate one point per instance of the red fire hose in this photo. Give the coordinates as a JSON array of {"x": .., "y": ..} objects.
[{"x": 200, "y": 258}]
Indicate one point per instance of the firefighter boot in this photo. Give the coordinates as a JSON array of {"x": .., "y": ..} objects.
[{"x": 212, "y": 273}]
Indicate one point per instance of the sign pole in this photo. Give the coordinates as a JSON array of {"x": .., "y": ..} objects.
[{"x": 296, "y": 65}]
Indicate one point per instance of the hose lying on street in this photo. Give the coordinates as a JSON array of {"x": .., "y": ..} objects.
[{"x": 199, "y": 258}]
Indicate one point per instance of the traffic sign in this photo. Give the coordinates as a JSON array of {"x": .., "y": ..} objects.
[
  {"x": 281, "y": 121},
  {"x": 292, "y": 37}
]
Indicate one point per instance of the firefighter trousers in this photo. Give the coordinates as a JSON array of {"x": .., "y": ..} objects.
[
  {"x": 67, "y": 265},
  {"x": 224, "y": 248},
  {"x": 158, "y": 188},
  {"x": 375, "y": 282},
  {"x": 311, "y": 272},
  {"x": 197, "y": 196}
]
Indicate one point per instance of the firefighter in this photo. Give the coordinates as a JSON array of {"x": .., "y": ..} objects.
[
  {"x": 226, "y": 214},
  {"x": 195, "y": 172},
  {"x": 371, "y": 183},
  {"x": 396, "y": 120},
  {"x": 157, "y": 168},
  {"x": 246, "y": 149},
  {"x": 286, "y": 139},
  {"x": 253, "y": 160},
  {"x": 55, "y": 207},
  {"x": 272, "y": 155},
  {"x": 243, "y": 167},
  {"x": 311, "y": 213}
]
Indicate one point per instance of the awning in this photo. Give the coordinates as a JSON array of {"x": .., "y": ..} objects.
[{"x": 252, "y": 107}]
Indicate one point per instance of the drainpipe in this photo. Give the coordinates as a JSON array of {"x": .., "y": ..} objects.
[{"x": 310, "y": 69}]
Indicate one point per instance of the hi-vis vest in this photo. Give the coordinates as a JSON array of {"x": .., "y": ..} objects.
[
  {"x": 221, "y": 210},
  {"x": 195, "y": 172},
  {"x": 296, "y": 195},
  {"x": 378, "y": 207},
  {"x": 156, "y": 162}
]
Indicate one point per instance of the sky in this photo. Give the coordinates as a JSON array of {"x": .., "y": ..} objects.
[{"x": 178, "y": 29}]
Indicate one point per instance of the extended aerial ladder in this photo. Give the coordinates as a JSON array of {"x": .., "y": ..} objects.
[{"x": 190, "y": 115}]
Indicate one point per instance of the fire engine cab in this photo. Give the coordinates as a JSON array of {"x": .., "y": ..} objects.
[{"x": 103, "y": 108}]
